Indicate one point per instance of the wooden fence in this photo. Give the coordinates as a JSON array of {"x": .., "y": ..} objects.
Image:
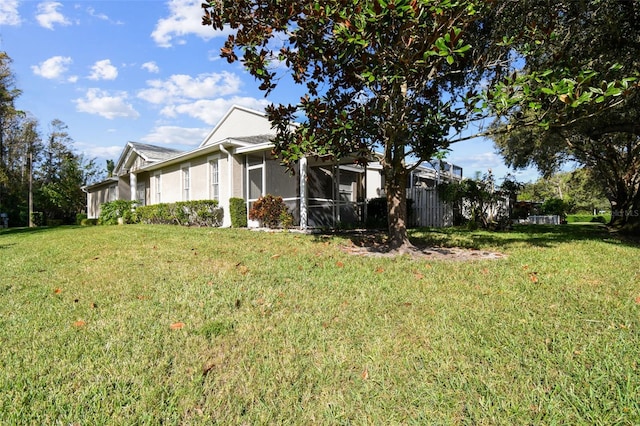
[{"x": 428, "y": 209}]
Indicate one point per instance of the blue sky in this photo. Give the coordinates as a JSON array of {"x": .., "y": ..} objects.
[{"x": 142, "y": 70}]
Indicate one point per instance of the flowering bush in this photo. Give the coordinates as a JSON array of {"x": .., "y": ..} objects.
[{"x": 270, "y": 211}]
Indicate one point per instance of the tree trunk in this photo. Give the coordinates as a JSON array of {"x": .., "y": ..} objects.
[
  {"x": 625, "y": 203},
  {"x": 396, "y": 192},
  {"x": 625, "y": 214}
]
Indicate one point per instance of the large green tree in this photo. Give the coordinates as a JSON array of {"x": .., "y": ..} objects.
[
  {"x": 8, "y": 117},
  {"x": 34, "y": 174},
  {"x": 593, "y": 118},
  {"x": 22, "y": 151},
  {"x": 579, "y": 189},
  {"x": 400, "y": 76},
  {"x": 61, "y": 174},
  {"x": 394, "y": 76}
]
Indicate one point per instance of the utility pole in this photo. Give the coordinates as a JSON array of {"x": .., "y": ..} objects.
[{"x": 31, "y": 224}]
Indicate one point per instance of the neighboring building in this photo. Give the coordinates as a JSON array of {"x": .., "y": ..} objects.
[{"x": 235, "y": 160}]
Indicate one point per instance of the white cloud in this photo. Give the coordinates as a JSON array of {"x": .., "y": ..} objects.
[
  {"x": 152, "y": 67},
  {"x": 481, "y": 161},
  {"x": 103, "y": 70},
  {"x": 103, "y": 152},
  {"x": 104, "y": 104},
  {"x": 103, "y": 17},
  {"x": 9, "y": 13},
  {"x": 53, "y": 67},
  {"x": 211, "y": 111},
  {"x": 48, "y": 15},
  {"x": 174, "y": 135},
  {"x": 185, "y": 18},
  {"x": 181, "y": 88},
  {"x": 92, "y": 12}
]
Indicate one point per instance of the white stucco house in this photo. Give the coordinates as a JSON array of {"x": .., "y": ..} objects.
[{"x": 234, "y": 160}]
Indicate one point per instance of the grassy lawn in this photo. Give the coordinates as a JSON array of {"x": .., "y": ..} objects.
[{"x": 158, "y": 324}]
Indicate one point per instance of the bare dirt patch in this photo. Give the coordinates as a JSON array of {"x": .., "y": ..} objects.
[{"x": 374, "y": 245}]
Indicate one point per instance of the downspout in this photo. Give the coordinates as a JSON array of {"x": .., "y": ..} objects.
[
  {"x": 84, "y": 189},
  {"x": 133, "y": 186},
  {"x": 304, "y": 201},
  {"x": 229, "y": 180}
]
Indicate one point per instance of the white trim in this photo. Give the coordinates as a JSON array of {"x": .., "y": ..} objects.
[
  {"x": 211, "y": 160},
  {"x": 185, "y": 179},
  {"x": 157, "y": 187},
  {"x": 254, "y": 148},
  {"x": 133, "y": 186},
  {"x": 249, "y": 200},
  {"x": 304, "y": 195}
]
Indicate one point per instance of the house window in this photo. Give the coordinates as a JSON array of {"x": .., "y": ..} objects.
[
  {"x": 112, "y": 193},
  {"x": 141, "y": 194},
  {"x": 214, "y": 169},
  {"x": 347, "y": 182},
  {"x": 186, "y": 183},
  {"x": 157, "y": 187}
]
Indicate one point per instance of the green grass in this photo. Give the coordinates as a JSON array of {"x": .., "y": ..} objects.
[{"x": 287, "y": 328}]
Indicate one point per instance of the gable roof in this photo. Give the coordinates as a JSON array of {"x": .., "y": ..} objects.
[
  {"x": 148, "y": 153},
  {"x": 153, "y": 152}
]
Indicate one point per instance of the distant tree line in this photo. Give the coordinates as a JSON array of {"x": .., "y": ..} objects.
[{"x": 41, "y": 176}]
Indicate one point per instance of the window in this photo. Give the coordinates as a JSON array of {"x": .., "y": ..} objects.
[
  {"x": 186, "y": 183},
  {"x": 157, "y": 187},
  {"x": 141, "y": 194},
  {"x": 112, "y": 193},
  {"x": 214, "y": 170}
]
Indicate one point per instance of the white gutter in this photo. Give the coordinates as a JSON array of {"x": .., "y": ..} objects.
[{"x": 227, "y": 217}]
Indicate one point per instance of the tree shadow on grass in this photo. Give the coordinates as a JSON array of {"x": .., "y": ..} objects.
[
  {"x": 531, "y": 235},
  {"x": 462, "y": 238},
  {"x": 34, "y": 230}
]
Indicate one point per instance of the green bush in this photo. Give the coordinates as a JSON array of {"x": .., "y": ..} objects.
[
  {"x": 187, "y": 213},
  {"x": 377, "y": 213},
  {"x": 37, "y": 218},
  {"x": 80, "y": 217},
  {"x": 554, "y": 206},
  {"x": 238, "y": 212},
  {"x": 580, "y": 218},
  {"x": 268, "y": 210},
  {"x": 54, "y": 222},
  {"x": 113, "y": 210},
  {"x": 88, "y": 222},
  {"x": 286, "y": 219}
]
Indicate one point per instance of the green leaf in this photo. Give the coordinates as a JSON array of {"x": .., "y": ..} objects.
[{"x": 463, "y": 48}]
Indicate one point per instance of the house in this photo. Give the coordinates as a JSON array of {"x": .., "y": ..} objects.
[{"x": 235, "y": 160}]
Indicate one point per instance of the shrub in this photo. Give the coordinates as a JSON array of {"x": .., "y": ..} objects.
[
  {"x": 578, "y": 218},
  {"x": 155, "y": 214},
  {"x": 113, "y": 210},
  {"x": 37, "y": 218},
  {"x": 286, "y": 219},
  {"x": 188, "y": 213},
  {"x": 88, "y": 222},
  {"x": 199, "y": 213},
  {"x": 54, "y": 222},
  {"x": 238, "y": 212},
  {"x": 377, "y": 213},
  {"x": 268, "y": 210},
  {"x": 554, "y": 206},
  {"x": 80, "y": 217}
]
